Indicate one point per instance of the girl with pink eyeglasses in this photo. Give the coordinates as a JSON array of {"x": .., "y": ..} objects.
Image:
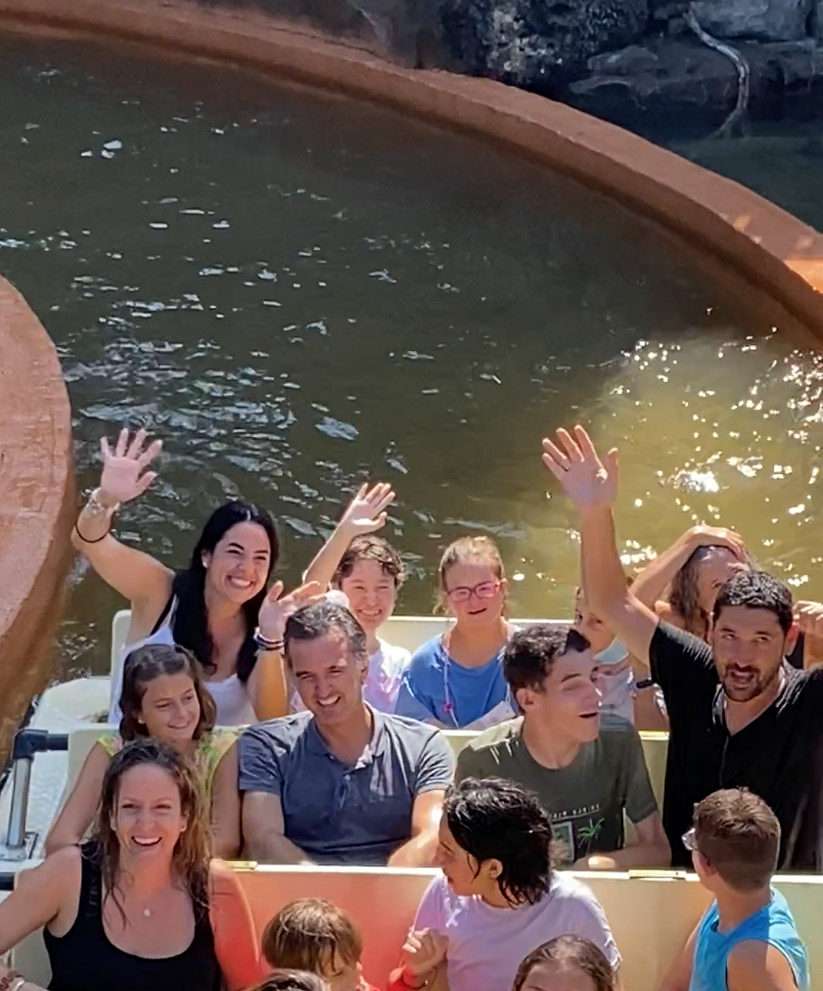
[{"x": 455, "y": 680}]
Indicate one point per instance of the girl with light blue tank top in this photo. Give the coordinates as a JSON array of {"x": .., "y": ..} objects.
[{"x": 773, "y": 924}]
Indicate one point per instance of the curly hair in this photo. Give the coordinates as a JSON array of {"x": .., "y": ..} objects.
[
  {"x": 493, "y": 819},
  {"x": 757, "y": 590}
]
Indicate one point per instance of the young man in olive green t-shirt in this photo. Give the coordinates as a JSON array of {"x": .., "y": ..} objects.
[{"x": 587, "y": 769}]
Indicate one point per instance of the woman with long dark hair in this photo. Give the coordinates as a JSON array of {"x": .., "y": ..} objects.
[
  {"x": 141, "y": 905},
  {"x": 164, "y": 699},
  {"x": 218, "y": 607}
]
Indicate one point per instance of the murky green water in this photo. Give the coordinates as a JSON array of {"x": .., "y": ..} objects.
[{"x": 297, "y": 292}]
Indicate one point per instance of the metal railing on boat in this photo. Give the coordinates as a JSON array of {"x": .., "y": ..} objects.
[{"x": 27, "y": 744}]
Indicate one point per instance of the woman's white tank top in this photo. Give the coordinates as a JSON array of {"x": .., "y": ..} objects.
[{"x": 230, "y": 695}]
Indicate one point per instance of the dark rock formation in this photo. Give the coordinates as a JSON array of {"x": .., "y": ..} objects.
[
  {"x": 672, "y": 86},
  {"x": 538, "y": 44},
  {"x": 636, "y": 62},
  {"x": 760, "y": 20}
]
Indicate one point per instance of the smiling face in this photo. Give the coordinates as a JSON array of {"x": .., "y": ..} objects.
[
  {"x": 569, "y": 699},
  {"x": 169, "y": 708},
  {"x": 371, "y": 592},
  {"x": 749, "y": 646},
  {"x": 328, "y": 678},
  {"x": 549, "y": 975},
  {"x": 147, "y": 817},
  {"x": 475, "y": 594},
  {"x": 239, "y": 565}
]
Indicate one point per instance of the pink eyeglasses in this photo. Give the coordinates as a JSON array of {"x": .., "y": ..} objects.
[{"x": 462, "y": 593}]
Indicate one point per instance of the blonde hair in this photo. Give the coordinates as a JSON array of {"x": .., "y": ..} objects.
[
  {"x": 311, "y": 934},
  {"x": 468, "y": 550}
]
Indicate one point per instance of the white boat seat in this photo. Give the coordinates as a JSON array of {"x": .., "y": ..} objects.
[{"x": 401, "y": 631}]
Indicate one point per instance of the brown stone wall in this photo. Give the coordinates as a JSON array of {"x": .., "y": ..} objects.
[{"x": 36, "y": 504}]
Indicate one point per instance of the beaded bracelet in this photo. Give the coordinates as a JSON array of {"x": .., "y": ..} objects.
[{"x": 264, "y": 643}]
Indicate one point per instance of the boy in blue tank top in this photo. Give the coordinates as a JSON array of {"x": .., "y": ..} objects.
[{"x": 747, "y": 940}]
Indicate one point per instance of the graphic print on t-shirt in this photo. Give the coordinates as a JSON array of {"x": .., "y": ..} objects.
[{"x": 577, "y": 830}]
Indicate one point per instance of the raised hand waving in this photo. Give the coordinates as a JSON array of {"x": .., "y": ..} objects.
[
  {"x": 277, "y": 608},
  {"x": 124, "y": 475},
  {"x": 367, "y": 510},
  {"x": 574, "y": 462}
]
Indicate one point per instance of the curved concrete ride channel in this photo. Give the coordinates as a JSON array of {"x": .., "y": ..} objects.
[{"x": 755, "y": 249}]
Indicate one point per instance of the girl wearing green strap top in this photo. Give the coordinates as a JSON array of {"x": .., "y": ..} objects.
[{"x": 163, "y": 698}]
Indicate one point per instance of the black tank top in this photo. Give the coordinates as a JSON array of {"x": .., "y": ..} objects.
[{"x": 85, "y": 960}]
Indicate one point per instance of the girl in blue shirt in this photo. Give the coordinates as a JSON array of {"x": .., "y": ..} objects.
[{"x": 456, "y": 680}]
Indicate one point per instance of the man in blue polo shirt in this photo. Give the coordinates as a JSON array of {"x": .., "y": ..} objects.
[{"x": 340, "y": 783}]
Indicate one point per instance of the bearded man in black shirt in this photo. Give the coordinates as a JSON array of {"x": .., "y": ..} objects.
[{"x": 739, "y": 715}]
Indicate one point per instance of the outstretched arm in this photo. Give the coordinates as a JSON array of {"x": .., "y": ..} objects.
[
  {"x": 364, "y": 514},
  {"x": 591, "y": 484},
  {"x": 138, "y": 577}
]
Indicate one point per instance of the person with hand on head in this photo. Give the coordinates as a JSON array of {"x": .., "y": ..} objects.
[
  {"x": 163, "y": 699},
  {"x": 747, "y": 940},
  {"x": 740, "y": 715},
  {"x": 499, "y": 896},
  {"x": 141, "y": 905},
  {"x": 565, "y": 963},
  {"x": 455, "y": 680},
  {"x": 682, "y": 583},
  {"x": 586, "y": 768},
  {"x": 369, "y": 572},
  {"x": 218, "y": 607},
  {"x": 340, "y": 783}
]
